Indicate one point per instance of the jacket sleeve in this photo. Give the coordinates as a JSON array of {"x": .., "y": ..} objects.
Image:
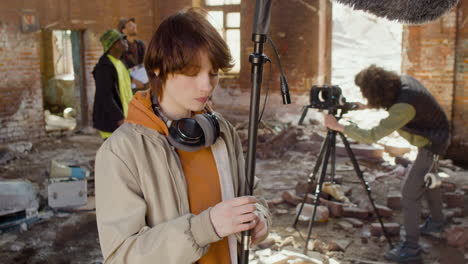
[
  {"x": 398, "y": 116},
  {"x": 142, "y": 51},
  {"x": 107, "y": 106},
  {"x": 124, "y": 234},
  {"x": 262, "y": 206}
]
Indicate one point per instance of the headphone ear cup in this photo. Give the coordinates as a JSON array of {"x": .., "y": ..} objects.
[
  {"x": 210, "y": 127},
  {"x": 179, "y": 145}
]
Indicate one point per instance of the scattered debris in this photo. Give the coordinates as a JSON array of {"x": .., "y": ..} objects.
[
  {"x": 55, "y": 122},
  {"x": 67, "y": 193}
]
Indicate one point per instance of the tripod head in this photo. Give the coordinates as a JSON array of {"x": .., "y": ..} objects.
[
  {"x": 330, "y": 98},
  {"x": 338, "y": 112}
]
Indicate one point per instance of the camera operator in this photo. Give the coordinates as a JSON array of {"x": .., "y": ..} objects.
[{"x": 417, "y": 117}]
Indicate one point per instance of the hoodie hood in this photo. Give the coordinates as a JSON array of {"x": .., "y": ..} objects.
[{"x": 141, "y": 113}]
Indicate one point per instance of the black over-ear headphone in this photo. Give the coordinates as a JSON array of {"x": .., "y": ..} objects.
[{"x": 190, "y": 134}]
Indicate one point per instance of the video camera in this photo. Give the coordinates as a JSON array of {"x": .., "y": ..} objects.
[{"x": 329, "y": 98}]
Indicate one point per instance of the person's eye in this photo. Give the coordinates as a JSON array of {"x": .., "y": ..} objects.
[{"x": 190, "y": 74}]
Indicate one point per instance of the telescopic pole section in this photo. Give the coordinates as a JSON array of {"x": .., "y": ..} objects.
[{"x": 257, "y": 59}]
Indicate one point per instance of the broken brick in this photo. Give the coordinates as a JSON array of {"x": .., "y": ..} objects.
[
  {"x": 321, "y": 213},
  {"x": 291, "y": 198},
  {"x": 454, "y": 199},
  {"x": 457, "y": 236},
  {"x": 281, "y": 211},
  {"x": 448, "y": 186},
  {"x": 458, "y": 212},
  {"x": 346, "y": 226},
  {"x": 355, "y": 212},
  {"x": 325, "y": 247},
  {"x": 303, "y": 187},
  {"x": 335, "y": 208},
  {"x": 393, "y": 229},
  {"x": 384, "y": 211},
  {"x": 394, "y": 200},
  {"x": 275, "y": 201},
  {"x": 364, "y": 240},
  {"x": 355, "y": 222}
]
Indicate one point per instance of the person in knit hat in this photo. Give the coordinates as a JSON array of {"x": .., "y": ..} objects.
[
  {"x": 113, "y": 86},
  {"x": 170, "y": 182}
]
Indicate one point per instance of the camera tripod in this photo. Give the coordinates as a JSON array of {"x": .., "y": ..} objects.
[{"x": 327, "y": 151}]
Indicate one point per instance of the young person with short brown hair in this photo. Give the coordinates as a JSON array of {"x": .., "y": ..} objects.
[{"x": 163, "y": 195}]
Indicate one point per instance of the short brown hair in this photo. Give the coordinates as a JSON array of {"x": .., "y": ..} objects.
[
  {"x": 380, "y": 87},
  {"x": 177, "y": 43}
]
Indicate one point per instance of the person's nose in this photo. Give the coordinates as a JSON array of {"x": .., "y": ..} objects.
[{"x": 205, "y": 84}]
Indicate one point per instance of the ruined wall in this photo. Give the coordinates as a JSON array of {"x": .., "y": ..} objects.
[
  {"x": 21, "y": 104},
  {"x": 294, "y": 28},
  {"x": 304, "y": 46},
  {"x": 20, "y": 86},
  {"x": 460, "y": 95},
  {"x": 435, "y": 53}
]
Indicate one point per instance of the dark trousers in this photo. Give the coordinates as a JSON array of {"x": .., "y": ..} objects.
[{"x": 413, "y": 192}]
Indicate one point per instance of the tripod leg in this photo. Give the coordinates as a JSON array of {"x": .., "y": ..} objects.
[
  {"x": 366, "y": 185},
  {"x": 304, "y": 113},
  {"x": 318, "y": 189},
  {"x": 312, "y": 177},
  {"x": 333, "y": 159}
]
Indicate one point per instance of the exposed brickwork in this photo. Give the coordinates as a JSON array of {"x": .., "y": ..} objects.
[
  {"x": 460, "y": 100},
  {"x": 21, "y": 54},
  {"x": 294, "y": 27},
  {"x": 429, "y": 51},
  {"x": 430, "y": 57},
  {"x": 20, "y": 87},
  {"x": 436, "y": 54}
]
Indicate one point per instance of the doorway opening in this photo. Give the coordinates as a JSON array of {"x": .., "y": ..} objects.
[{"x": 65, "y": 104}]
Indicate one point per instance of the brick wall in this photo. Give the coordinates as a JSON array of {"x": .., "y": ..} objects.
[
  {"x": 429, "y": 56},
  {"x": 294, "y": 27},
  {"x": 20, "y": 86},
  {"x": 21, "y": 106},
  {"x": 436, "y": 54},
  {"x": 21, "y": 54},
  {"x": 460, "y": 99}
]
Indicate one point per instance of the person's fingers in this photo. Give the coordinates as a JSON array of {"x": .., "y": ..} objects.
[
  {"x": 244, "y": 209},
  {"x": 245, "y": 218},
  {"x": 259, "y": 234},
  {"x": 244, "y": 227},
  {"x": 260, "y": 222},
  {"x": 259, "y": 230},
  {"x": 243, "y": 200}
]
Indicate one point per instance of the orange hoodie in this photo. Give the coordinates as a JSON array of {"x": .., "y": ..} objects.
[{"x": 199, "y": 168}]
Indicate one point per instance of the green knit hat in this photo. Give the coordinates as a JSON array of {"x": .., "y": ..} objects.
[{"x": 109, "y": 38}]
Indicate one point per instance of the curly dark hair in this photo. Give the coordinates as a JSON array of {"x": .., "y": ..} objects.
[{"x": 379, "y": 86}]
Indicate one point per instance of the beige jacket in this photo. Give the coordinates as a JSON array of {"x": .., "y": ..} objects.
[{"x": 142, "y": 205}]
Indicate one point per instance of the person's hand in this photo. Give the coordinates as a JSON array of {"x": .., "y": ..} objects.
[
  {"x": 259, "y": 230},
  {"x": 362, "y": 106},
  {"x": 331, "y": 122},
  {"x": 235, "y": 215},
  {"x": 139, "y": 85}
]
